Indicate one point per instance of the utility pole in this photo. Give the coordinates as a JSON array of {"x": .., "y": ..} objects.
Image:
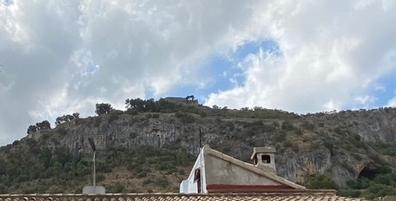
[
  {"x": 92, "y": 143},
  {"x": 200, "y": 138},
  {"x": 93, "y": 189}
]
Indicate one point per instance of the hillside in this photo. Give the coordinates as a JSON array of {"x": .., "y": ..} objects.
[{"x": 152, "y": 145}]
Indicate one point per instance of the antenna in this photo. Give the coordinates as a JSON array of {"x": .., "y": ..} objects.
[
  {"x": 93, "y": 189},
  {"x": 200, "y": 137},
  {"x": 92, "y": 143}
]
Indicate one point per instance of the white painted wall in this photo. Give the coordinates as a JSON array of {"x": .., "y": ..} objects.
[
  {"x": 224, "y": 172},
  {"x": 188, "y": 185}
]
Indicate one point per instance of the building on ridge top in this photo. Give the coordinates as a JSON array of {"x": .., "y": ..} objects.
[{"x": 182, "y": 100}]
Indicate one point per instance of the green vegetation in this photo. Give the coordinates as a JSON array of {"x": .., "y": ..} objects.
[
  {"x": 185, "y": 117},
  {"x": 66, "y": 118},
  {"x": 321, "y": 182},
  {"x": 117, "y": 188},
  {"x": 288, "y": 126},
  {"x": 44, "y": 125},
  {"x": 45, "y": 165},
  {"x": 135, "y": 106},
  {"x": 31, "y": 168},
  {"x": 382, "y": 183},
  {"x": 103, "y": 108},
  {"x": 385, "y": 148}
]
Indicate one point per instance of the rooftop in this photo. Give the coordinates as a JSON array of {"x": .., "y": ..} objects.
[
  {"x": 266, "y": 149},
  {"x": 273, "y": 196}
]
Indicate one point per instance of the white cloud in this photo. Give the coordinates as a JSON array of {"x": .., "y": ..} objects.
[
  {"x": 64, "y": 56},
  {"x": 391, "y": 102},
  {"x": 332, "y": 54}
]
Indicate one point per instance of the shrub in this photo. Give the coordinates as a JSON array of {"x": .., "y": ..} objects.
[
  {"x": 103, "y": 108},
  {"x": 308, "y": 125},
  {"x": 97, "y": 122},
  {"x": 182, "y": 158},
  {"x": 62, "y": 131},
  {"x": 113, "y": 117},
  {"x": 203, "y": 114},
  {"x": 287, "y": 125},
  {"x": 117, "y": 188},
  {"x": 385, "y": 148},
  {"x": 141, "y": 174},
  {"x": 350, "y": 193},
  {"x": 385, "y": 179},
  {"x": 280, "y": 137},
  {"x": 340, "y": 131},
  {"x": 162, "y": 182},
  {"x": 3, "y": 189},
  {"x": 269, "y": 127},
  {"x": 358, "y": 184},
  {"x": 133, "y": 135},
  {"x": 185, "y": 117},
  {"x": 100, "y": 178},
  {"x": 378, "y": 190},
  {"x": 148, "y": 182},
  {"x": 321, "y": 182}
]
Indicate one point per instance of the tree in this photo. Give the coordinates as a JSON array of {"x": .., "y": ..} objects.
[
  {"x": 103, "y": 108},
  {"x": 31, "y": 129},
  {"x": 76, "y": 115},
  {"x": 135, "y": 104},
  {"x": 44, "y": 125},
  {"x": 215, "y": 107},
  {"x": 69, "y": 117},
  {"x": 66, "y": 118},
  {"x": 140, "y": 105},
  {"x": 60, "y": 120},
  {"x": 190, "y": 98}
]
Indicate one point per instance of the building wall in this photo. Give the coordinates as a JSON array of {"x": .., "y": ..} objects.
[
  {"x": 191, "y": 186},
  {"x": 180, "y": 100},
  {"x": 219, "y": 171}
]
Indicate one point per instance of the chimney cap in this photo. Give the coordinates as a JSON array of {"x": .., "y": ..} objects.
[{"x": 266, "y": 149}]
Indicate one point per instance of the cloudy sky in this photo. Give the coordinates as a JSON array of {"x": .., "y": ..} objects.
[{"x": 59, "y": 57}]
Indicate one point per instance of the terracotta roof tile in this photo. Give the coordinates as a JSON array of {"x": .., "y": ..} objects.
[{"x": 317, "y": 196}]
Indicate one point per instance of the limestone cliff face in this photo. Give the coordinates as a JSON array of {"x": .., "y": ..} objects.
[
  {"x": 372, "y": 125},
  {"x": 338, "y": 145}
]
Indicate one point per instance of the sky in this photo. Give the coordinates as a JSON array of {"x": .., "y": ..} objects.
[{"x": 63, "y": 56}]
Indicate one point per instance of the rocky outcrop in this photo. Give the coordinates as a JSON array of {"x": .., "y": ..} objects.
[
  {"x": 337, "y": 145},
  {"x": 377, "y": 125}
]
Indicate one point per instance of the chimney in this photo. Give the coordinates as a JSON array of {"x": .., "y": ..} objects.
[{"x": 264, "y": 158}]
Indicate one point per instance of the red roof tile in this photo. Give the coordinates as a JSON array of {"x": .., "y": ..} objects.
[{"x": 273, "y": 196}]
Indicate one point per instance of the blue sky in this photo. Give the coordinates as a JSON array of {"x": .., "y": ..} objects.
[
  {"x": 385, "y": 90},
  {"x": 60, "y": 57},
  {"x": 223, "y": 70}
]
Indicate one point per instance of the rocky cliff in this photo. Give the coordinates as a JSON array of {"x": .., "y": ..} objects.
[
  {"x": 340, "y": 144},
  {"x": 343, "y": 146}
]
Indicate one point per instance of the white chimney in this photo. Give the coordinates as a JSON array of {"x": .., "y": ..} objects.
[{"x": 264, "y": 158}]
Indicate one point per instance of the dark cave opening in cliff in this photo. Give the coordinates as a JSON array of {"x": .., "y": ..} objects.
[{"x": 368, "y": 172}]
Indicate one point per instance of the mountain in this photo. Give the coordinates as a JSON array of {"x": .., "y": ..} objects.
[{"x": 152, "y": 146}]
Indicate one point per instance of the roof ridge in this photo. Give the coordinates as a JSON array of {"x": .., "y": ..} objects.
[
  {"x": 251, "y": 167},
  {"x": 280, "y": 192},
  {"x": 301, "y": 195}
]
